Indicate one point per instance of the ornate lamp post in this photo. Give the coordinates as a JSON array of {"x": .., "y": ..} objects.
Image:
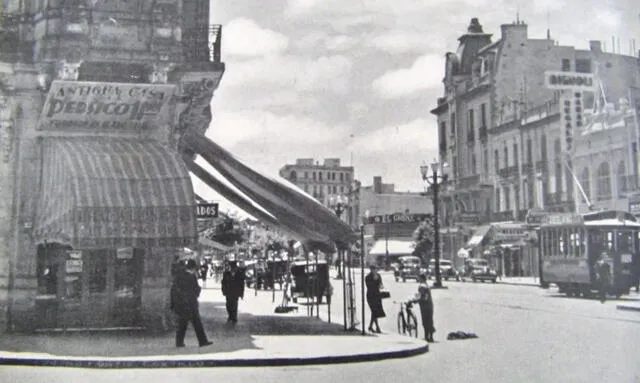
[
  {"x": 339, "y": 203},
  {"x": 434, "y": 180}
]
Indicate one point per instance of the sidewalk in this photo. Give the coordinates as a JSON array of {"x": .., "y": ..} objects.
[{"x": 260, "y": 338}]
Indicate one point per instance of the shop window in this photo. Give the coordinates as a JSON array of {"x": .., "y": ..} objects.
[{"x": 127, "y": 272}]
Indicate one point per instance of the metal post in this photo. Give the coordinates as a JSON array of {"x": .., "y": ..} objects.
[
  {"x": 344, "y": 290},
  {"x": 316, "y": 288},
  {"x": 273, "y": 280},
  {"x": 362, "y": 276},
  {"x": 307, "y": 286},
  {"x": 436, "y": 229},
  {"x": 386, "y": 244}
]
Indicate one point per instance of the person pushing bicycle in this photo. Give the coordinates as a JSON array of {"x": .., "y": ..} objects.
[{"x": 424, "y": 299}]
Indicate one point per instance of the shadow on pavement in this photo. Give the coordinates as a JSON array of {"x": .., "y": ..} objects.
[{"x": 226, "y": 337}]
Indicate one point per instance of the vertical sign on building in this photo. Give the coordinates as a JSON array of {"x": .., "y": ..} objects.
[{"x": 572, "y": 86}]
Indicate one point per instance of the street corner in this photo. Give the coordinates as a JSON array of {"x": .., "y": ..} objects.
[{"x": 266, "y": 351}]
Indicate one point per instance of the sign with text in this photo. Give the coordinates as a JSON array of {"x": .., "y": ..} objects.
[
  {"x": 207, "y": 210},
  {"x": 104, "y": 106},
  {"x": 397, "y": 218},
  {"x": 569, "y": 81},
  {"x": 561, "y": 219}
]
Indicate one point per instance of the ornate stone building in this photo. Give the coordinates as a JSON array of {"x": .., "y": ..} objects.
[
  {"x": 501, "y": 131},
  {"x": 94, "y": 97}
]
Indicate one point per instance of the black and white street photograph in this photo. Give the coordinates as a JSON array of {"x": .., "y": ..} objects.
[{"x": 319, "y": 191}]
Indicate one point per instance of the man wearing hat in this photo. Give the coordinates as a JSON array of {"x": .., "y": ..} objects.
[
  {"x": 184, "y": 302},
  {"x": 232, "y": 289}
]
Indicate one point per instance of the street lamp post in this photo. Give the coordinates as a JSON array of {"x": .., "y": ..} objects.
[
  {"x": 339, "y": 204},
  {"x": 434, "y": 180}
]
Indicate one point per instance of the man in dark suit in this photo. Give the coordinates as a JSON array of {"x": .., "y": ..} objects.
[
  {"x": 232, "y": 289},
  {"x": 184, "y": 302}
]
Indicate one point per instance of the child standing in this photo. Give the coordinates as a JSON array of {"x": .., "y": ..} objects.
[{"x": 423, "y": 298}]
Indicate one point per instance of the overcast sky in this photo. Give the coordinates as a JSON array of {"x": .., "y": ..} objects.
[{"x": 355, "y": 79}]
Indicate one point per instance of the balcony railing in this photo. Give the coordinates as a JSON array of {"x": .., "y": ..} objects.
[
  {"x": 527, "y": 168},
  {"x": 469, "y": 182},
  {"x": 203, "y": 43}
]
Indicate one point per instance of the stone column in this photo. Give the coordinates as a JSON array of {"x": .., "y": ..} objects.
[{"x": 156, "y": 284}]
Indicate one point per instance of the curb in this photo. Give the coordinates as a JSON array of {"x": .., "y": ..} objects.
[
  {"x": 520, "y": 284},
  {"x": 628, "y": 307},
  {"x": 177, "y": 363}
]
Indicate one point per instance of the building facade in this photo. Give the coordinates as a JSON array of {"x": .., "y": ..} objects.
[
  {"x": 96, "y": 198},
  {"x": 327, "y": 182},
  {"x": 503, "y": 130}
]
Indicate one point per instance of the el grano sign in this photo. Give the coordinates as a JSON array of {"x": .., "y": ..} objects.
[
  {"x": 569, "y": 81},
  {"x": 77, "y": 105}
]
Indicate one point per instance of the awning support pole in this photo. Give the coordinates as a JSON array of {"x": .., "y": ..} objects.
[
  {"x": 362, "y": 275},
  {"x": 317, "y": 291},
  {"x": 344, "y": 286}
]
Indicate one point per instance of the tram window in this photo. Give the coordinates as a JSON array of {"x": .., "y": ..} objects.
[
  {"x": 624, "y": 241},
  {"x": 609, "y": 239}
]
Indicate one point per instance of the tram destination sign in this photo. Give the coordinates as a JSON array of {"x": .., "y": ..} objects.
[
  {"x": 207, "y": 210},
  {"x": 397, "y": 218},
  {"x": 103, "y": 106},
  {"x": 562, "y": 219}
]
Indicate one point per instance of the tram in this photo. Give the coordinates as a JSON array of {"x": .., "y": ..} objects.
[{"x": 571, "y": 244}]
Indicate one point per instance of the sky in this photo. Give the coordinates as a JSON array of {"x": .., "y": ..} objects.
[{"x": 356, "y": 79}]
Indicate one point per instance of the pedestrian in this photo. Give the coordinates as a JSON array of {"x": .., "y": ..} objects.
[
  {"x": 425, "y": 300},
  {"x": 233, "y": 289},
  {"x": 184, "y": 302},
  {"x": 204, "y": 270},
  {"x": 373, "y": 281},
  {"x": 603, "y": 269}
]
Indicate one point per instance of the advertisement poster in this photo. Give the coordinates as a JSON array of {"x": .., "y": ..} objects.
[{"x": 102, "y": 106}]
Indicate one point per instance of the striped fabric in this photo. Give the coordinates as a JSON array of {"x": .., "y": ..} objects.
[
  {"x": 293, "y": 209},
  {"x": 110, "y": 193}
]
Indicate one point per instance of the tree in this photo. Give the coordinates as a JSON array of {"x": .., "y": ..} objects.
[{"x": 423, "y": 239}]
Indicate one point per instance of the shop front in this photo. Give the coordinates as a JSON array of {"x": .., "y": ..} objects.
[{"x": 113, "y": 205}]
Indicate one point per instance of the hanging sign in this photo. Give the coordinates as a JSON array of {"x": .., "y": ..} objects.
[
  {"x": 104, "y": 106},
  {"x": 557, "y": 80}
]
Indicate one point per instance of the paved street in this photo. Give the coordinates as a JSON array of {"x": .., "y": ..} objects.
[{"x": 525, "y": 335}]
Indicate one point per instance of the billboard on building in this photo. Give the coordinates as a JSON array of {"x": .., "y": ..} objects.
[
  {"x": 103, "y": 106},
  {"x": 572, "y": 81}
]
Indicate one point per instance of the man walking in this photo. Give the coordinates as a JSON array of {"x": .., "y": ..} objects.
[
  {"x": 232, "y": 289},
  {"x": 184, "y": 302}
]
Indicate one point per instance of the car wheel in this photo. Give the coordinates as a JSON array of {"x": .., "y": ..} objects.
[
  {"x": 446, "y": 278},
  {"x": 404, "y": 279},
  {"x": 473, "y": 280},
  {"x": 493, "y": 280}
]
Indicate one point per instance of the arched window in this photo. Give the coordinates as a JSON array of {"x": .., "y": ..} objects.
[
  {"x": 621, "y": 178},
  {"x": 293, "y": 176},
  {"x": 585, "y": 182},
  {"x": 603, "y": 182}
]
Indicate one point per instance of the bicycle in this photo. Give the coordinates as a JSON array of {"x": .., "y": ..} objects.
[{"x": 407, "y": 323}]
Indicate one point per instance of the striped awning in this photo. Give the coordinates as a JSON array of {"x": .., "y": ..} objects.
[{"x": 110, "y": 193}]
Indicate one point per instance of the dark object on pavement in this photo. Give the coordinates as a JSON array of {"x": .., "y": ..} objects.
[{"x": 461, "y": 335}]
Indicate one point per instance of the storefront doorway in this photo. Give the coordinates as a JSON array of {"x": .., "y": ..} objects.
[{"x": 88, "y": 288}]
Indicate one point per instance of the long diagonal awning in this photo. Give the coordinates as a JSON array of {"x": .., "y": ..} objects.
[
  {"x": 293, "y": 209},
  {"x": 109, "y": 192}
]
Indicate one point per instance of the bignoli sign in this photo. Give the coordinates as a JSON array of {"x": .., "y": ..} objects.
[{"x": 82, "y": 105}]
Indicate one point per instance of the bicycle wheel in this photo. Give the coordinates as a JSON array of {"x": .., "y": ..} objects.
[
  {"x": 401, "y": 328},
  {"x": 412, "y": 325}
]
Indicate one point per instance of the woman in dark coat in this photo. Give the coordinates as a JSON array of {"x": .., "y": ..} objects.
[{"x": 373, "y": 281}]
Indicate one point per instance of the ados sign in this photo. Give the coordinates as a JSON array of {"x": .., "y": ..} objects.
[
  {"x": 99, "y": 106},
  {"x": 207, "y": 210}
]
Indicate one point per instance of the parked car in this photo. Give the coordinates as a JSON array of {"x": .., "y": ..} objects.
[
  {"x": 478, "y": 269},
  {"x": 410, "y": 267},
  {"x": 446, "y": 270}
]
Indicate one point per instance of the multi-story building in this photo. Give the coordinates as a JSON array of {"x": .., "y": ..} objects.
[
  {"x": 327, "y": 182},
  {"x": 502, "y": 131},
  {"x": 93, "y": 96}
]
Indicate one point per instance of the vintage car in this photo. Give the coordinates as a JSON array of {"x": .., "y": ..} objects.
[
  {"x": 446, "y": 270},
  {"x": 478, "y": 269},
  {"x": 409, "y": 267}
]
